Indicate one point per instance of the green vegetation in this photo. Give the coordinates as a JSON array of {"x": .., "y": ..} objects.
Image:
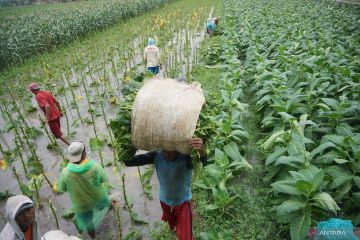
[
  {"x": 281, "y": 119},
  {"x": 23, "y": 36}
]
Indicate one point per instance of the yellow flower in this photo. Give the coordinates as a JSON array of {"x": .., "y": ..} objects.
[
  {"x": 113, "y": 101},
  {"x": 126, "y": 79},
  {"x": 3, "y": 164},
  {"x": 55, "y": 187},
  {"x": 79, "y": 98},
  {"x": 162, "y": 24}
]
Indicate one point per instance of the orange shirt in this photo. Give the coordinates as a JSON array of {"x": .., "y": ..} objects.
[
  {"x": 28, "y": 233},
  {"x": 43, "y": 98}
]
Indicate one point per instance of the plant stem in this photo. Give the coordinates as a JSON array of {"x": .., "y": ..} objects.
[{"x": 54, "y": 213}]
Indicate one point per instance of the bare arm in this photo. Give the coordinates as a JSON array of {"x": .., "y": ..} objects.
[
  {"x": 47, "y": 112},
  {"x": 58, "y": 107}
]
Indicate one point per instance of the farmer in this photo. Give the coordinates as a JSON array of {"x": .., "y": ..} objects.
[
  {"x": 211, "y": 25},
  {"x": 87, "y": 185},
  {"x": 174, "y": 172},
  {"x": 21, "y": 220},
  {"x": 51, "y": 109},
  {"x": 152, "y": 57}
]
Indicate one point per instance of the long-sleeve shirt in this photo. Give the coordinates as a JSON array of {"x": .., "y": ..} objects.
[
  {"x": 174, "y": 176},
  {"x": 152, "y": 56}
]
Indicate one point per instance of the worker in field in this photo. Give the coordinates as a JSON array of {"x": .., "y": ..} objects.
[
  {"x": 211, "y": 25},
  {"x": 51, "y": 109},
  {"x": 152, "y": 57},
  {"x": 21, "y": 220},
  {"x": 87, "y": 185},
  {"x": 174, "y": 172}
]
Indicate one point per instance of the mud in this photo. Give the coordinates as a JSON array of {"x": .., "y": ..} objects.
[{"x": 148, "y": 210}]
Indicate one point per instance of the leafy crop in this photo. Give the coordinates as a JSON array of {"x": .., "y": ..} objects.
[
  {"x": 29, "y": 34},
  {"x": 300, "y": 62}
]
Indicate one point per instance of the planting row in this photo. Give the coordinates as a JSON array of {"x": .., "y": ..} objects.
[
  {"x": 27, "y": 35},
  {"x": 298, "y": 61}
]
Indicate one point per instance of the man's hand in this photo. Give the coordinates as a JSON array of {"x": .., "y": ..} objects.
[{"x": 197, "y": 144}]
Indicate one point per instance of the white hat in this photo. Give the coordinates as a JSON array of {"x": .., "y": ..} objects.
[
  {"x": 75, "y": 151},
  {"x": 58, "y": 235}
]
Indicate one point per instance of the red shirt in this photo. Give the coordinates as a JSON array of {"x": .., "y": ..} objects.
[{"x": 43, "y": 98}]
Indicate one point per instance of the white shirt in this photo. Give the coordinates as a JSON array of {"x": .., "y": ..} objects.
[{"x": 152, "y": 56}]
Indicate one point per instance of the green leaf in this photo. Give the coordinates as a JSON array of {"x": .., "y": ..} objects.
[
  {"x": 211, "y": 207},
  {"x": 321, "y": 148},
  {"x": 343, "y": 190},
  {"x": 96, "y": 144},
  {"x": 226, "y": 128},
  {"x": 339, "y": 181},
  {"x": 317, "y": 180},
  {"x": 289, "y": 206},
  {"x": 299, "y": 226},
  {"x": 356, "y": 220},
  {"x": 340, "y": 160},
  {"x": 285, "y": 186},
  {"x": 304, "y": 186},
  {"x": 357, "y": 181},
  {"x": 270, "y": 141},
  {"x": 26, "y": 190},
  {"x": 277, "y": 153},
  {"x": 221, "y": 158},
  {"x": 232, "y": 150},
  {"x": 290, "y": 160},
  {"x": 287, "y": 117},
  {"x": 325, "y": 201},
  {"x": 331, "y": 103}
]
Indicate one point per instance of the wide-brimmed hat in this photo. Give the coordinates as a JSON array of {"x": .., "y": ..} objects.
[
  {"x": 34, "y": 86},
  {"x": 75, "y": 151}
]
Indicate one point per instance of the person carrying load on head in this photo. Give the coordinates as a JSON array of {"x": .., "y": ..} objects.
[
  {"x": 152, "y": 57},
  {"x": 51, "y": 109},
  {"x": 174, "y": 172},
  {"x": 87, "y": 185},
  {"x": 211, "y": 24},
  {"x": 21, "y": 220}
]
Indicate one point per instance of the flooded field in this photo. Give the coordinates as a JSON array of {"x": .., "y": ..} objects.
[{"x": 90, "y": 96}]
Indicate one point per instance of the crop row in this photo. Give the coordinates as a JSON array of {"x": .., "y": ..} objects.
[
  {"x": 27, "y": 35},
  {"x": 299, "y": 62}
]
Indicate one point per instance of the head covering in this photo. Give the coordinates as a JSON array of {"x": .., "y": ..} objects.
[
  {"x": 151, "y": 41},
  {"x": 23, "y": 207},
  {"x": 75, "y": 151},
  {"x": 34, "y": 86},
  {"x": 58, "y": 235},
  {"x": 12, "y": 230}
]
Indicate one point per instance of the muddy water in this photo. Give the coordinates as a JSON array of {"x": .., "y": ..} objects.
[{"x": 148, "y": 210}]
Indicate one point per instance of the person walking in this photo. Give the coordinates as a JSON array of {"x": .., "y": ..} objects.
[
  {"x": 51, "y": 109},
  {"x": 21, "y": 220},
  {"x": 211, "y": 25},
  {"x": 87, "y": 185},
  {"x": 174, "y": 171},
  {"x": 152, "y": 57}
]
